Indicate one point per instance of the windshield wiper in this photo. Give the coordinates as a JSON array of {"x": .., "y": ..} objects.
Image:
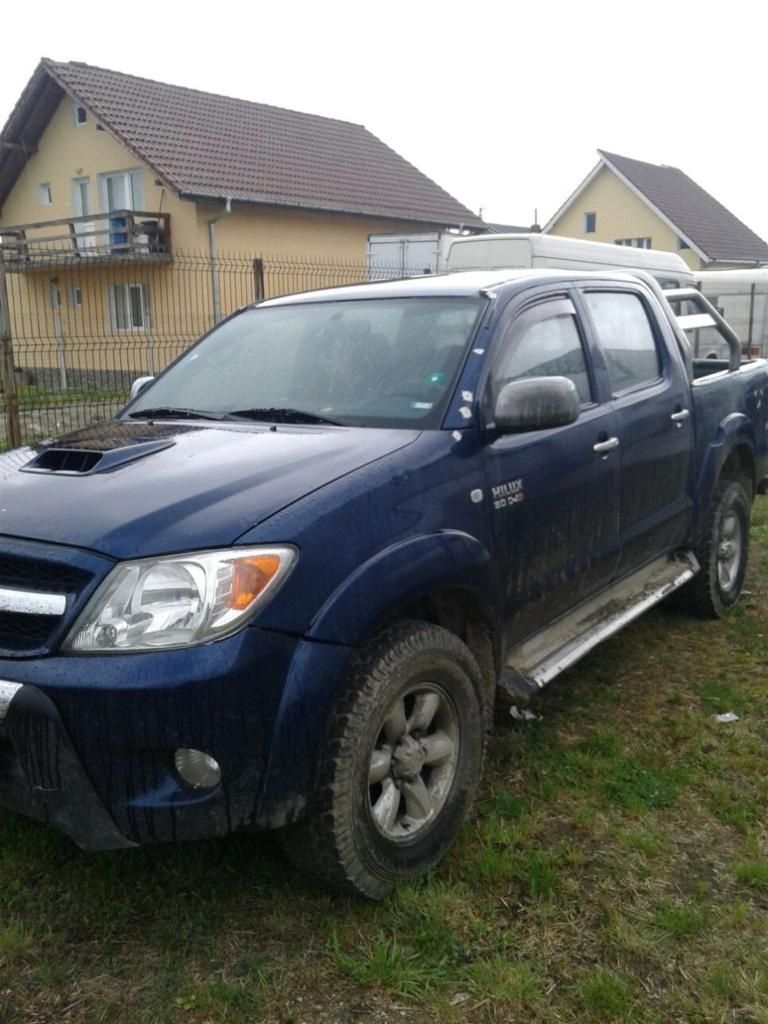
[
  {"x": 275, "y": 415},
  {"x": 168, "y": 412}
]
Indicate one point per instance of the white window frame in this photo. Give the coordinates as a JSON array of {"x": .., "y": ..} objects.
[
  {"x": 126, "y": 288},
  {"x": 75, "y": 296},
  {"x": 45, "y": 193},
  {"x": 635, "y": 243},
  {"x": 75, "y": 108},
  {"x": 587, "y": 215},
  {"x": 134, "y": 188}
]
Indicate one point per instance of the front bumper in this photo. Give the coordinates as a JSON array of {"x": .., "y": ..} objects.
[
  {"x": 87, "y": 742},
  {"x": 41, "y": 775}
]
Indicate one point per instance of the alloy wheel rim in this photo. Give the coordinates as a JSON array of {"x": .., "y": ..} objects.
[
  {"x": 413, "y": 762},
  {"x": 730, "y": 542}
]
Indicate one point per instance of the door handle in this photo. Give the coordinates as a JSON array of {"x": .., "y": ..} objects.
[
  {"x": 679, "y": 416},
  {"x": 606, "y": 446}
]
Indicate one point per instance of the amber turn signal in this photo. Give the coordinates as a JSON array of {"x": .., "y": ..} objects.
[{"x": 251, "y": 575}]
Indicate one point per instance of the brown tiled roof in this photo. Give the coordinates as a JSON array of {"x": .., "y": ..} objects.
[
  {"x": 695, "y": 213},
  {"x": 209, "y": 146}
]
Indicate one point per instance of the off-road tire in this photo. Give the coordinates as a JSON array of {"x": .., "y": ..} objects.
[
  {"x": 706, "y": 595},
  {"x": 337, "y": 843}
]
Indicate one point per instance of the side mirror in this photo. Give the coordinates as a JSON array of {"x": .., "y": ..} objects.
[
  {"x": 535, "y": 403},
  {"x": 139, "y": 384}
]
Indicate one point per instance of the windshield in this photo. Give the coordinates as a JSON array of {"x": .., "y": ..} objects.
[{"x": 372, "y": 362}]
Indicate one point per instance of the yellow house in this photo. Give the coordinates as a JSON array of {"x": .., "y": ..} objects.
[
  {"x": 131, "y": 211},
  {"x": 651, "y": 206}
]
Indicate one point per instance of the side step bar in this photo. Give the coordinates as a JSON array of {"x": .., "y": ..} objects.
[{"x": 533, "y": 663}]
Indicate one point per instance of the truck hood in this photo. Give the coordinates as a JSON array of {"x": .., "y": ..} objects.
[{"x": 130, "y": 490}]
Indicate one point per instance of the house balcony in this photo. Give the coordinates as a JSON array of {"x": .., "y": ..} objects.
[{"x": 119, "y": 236}]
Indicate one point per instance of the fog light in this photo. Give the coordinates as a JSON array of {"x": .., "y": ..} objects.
[{"x": 197, "y": 769}]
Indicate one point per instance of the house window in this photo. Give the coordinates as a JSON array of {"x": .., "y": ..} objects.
[
  {"x": 129, "y": 307},
  {"x": 75, "y": 296},
  {"x": 45, "y": 194},
  {"x": 634, "y": 243},
  {"x": 590, "y": 223},
  {"x": 682, "y": 244},
  {"x": 122, "y": 190},
  {"x": 81, "y": 115}
]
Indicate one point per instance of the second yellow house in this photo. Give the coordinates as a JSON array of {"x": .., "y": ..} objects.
[{"x": 653, "y": 206}]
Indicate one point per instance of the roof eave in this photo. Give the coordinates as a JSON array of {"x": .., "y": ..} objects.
[
  {"x": 746, "y": 260},
  {"x": 272, "y": 203}
]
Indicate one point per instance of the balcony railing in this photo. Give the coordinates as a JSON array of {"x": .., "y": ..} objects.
[{"x": 102, "y": 238}]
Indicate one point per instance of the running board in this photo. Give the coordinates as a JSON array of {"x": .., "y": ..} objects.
[{"x": 533, "y": 663}]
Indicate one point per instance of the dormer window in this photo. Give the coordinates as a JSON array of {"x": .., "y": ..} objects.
[{"x": 81, "y": 115}]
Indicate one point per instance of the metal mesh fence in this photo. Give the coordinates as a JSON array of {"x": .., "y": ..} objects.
[{"x": 76, "y": 330}]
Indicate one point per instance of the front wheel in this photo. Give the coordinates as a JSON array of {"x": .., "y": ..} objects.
[
  {"x": 402, "y": 764},
  {"x": 723, "y": 552}
]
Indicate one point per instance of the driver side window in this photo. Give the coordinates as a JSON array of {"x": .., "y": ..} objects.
[{"x": 544, "y": 341}]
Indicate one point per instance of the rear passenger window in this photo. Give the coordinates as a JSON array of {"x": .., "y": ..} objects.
[
  {"x": 626, "y": 338},
  {"x": 544, "y": 341}
]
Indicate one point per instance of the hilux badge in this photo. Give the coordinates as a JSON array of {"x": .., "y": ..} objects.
[{"x": 509, "y": 493}]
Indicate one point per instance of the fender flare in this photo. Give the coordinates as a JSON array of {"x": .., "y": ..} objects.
[
  {"x": 733, "y": 432},
  {"x": 401, "y": 573}
]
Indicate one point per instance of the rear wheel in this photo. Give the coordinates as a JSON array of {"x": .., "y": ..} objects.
[
  {"x": 723, "y": 552},
  {"x": 401, "y": 767}
]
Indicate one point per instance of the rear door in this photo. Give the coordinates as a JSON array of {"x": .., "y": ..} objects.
[
  {"x": 554, "y": 495},
  {"x": 650, "y": 398}
]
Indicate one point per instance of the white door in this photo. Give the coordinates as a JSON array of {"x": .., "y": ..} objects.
[{"x": 81, "y": 204}]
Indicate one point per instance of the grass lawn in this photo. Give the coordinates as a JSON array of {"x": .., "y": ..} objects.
[
  {"x": 616, "y": 869},
  {"x": 34, "y": 397}
]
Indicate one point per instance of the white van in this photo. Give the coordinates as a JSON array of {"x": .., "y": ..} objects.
[
  {"x": 493, "y": 252},
  {"x": 741, "y": 296}
]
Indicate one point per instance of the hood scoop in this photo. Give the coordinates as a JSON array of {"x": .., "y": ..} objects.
[{"x": 86, "y": 461}]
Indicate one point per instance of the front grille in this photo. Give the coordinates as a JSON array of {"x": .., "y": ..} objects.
[
  {"x": 36, "y": 574},
  {"x": 31, "y": 567},
  {"x": 23, "y": 633}
]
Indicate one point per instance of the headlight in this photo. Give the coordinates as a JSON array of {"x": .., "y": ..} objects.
[{"x": 179, "y": 600}]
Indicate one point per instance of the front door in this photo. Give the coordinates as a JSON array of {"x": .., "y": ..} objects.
[
  {"x": 84, "y": 231},
  {"x": 653, "y": 424},
  {"x": 554, "y": 493}
]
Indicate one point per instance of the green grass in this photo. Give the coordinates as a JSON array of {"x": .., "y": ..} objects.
[
  {"x": 615, "y": 870},
  {"x": 34, "y": 397},
  {"x": 606, "y": 996}
]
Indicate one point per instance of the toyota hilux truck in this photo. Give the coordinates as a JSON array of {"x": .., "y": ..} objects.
[{"x": 284, "y": 586}]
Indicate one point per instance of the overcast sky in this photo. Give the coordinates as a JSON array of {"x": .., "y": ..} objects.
[{"x": 503, "y": 104}]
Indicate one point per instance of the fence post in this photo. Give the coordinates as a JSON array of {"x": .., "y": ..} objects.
[
  {"x": 7, "y": 365},
  {"x": 258, "y": 280},
  {"x": 55, "y": 295}
]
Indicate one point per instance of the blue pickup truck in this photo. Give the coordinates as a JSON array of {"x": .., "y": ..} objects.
[{"x": 285, "y": 585}]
